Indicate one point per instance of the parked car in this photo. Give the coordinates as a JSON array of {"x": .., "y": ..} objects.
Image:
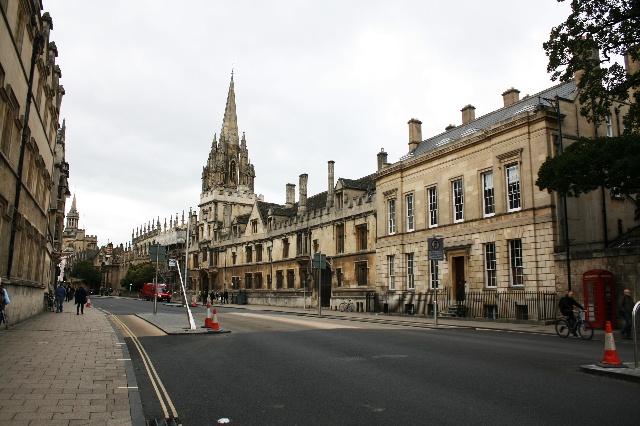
[{"x": 147, "y": 292}]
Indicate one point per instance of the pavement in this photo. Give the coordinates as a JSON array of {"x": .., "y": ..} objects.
[{"x": 68, "y": 369}]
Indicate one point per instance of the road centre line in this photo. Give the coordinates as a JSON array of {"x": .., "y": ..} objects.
[{"x": 312, "y": 323}]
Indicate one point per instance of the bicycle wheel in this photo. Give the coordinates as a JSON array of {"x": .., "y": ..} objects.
[
  {"x": 350, "y": 307},
  {"x": 342, "y": 307},
  {"x": 585, "y": 330},
  {"x": 562, "y": 328}
]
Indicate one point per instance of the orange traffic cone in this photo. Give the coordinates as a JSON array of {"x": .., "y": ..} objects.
[
  {"x": 610, "y": 359},
  {"x": 88, "y": 301},
  {"x": 194, "y": 301},
  {"x": 214, "y": 321},
  {"x": 207, "y": 322}
]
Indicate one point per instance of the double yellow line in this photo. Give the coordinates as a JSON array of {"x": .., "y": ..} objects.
[{"x": 161, "y": 392}]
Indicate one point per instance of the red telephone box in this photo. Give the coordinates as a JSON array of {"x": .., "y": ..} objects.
[{"x": 599, "y": 297}]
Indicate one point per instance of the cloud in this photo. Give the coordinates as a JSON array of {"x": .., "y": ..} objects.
[{"x": 146, "y": 85}]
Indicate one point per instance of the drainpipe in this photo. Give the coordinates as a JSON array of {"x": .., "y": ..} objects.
[
  {"x": 564, "y": 201},
  {"x": 38, "y": 42}
]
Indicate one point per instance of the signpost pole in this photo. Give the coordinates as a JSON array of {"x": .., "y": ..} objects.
[{"x": 436, "y": 253}]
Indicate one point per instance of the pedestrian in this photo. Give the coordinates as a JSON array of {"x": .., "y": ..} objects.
[
  {"x": 61, "y": 294},
  {"x": 4, "y": 301},
  {"x": 81, "y": 299},
  {"x": 625, "y": 309},
  {"x": 225, "y": 297},
  {"x": 566, "y": 305}
]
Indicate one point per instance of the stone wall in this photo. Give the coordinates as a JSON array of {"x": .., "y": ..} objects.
[{"x": 624, "y": 263}]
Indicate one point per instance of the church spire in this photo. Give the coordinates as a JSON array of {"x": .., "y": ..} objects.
[{"x": 229, "y": 130}]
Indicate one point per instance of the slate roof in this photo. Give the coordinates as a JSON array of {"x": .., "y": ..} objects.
[
  {"x": 242, "y": 219},
  {"x": 317, "y": 201},
  {"x": 563, "y": 90},
  {"x": 366, "y": 183}
]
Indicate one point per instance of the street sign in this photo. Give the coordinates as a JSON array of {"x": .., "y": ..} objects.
[
  {"x": 157, "y": 253},
  {"x": 319, "y": 261},
  {"x": 436, "y": 249}
]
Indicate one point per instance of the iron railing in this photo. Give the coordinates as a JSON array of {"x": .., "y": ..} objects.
[{"x": 520, "y": 305}]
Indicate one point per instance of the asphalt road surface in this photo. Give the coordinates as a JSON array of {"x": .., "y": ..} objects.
[{"x": 281, "y": 369}]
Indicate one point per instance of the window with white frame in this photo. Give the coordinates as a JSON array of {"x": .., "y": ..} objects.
[
  {"x": 513, "y": 187},
  {"x": 410, "y": 277},
  {"x": 490, "y": 273},
  {"x": 609, "y": 126},
  {"x": 432, "y": 195},
  {"x": 391, "y": 215},
  {"x": 434, "y": 280},
  {"x": 516, "y": 275},
  {"x": 488, "y": 201},
  {"x": 409, "y": 202},
  {"x": 458, "y": 200},
  {"x": 391, "y": 272}
]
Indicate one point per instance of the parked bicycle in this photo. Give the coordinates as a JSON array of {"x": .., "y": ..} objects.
[
  {"x": 50, "y": 300},
  {"x": 348, "y": 306},
  {"x": 580, "y": 327}
]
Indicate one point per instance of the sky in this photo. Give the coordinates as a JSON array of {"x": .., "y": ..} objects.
[{"x": 146, "y": 84}]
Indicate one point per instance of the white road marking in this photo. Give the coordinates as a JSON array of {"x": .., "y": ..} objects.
[{"x": 307, "y": 322}]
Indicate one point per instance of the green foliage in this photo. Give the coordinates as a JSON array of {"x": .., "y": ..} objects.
[
  {"x": 85, "y": 271},
  {"x": 588, "y": 164},
  {"x": 138, "y": 275},
  {"x": 613, "y": 28}
]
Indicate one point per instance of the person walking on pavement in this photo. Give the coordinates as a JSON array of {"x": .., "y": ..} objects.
[
  {"x": 4, "y": 301},
  {"x": 225, "y": 297},
  {"x": 567, "y": 302},
  {"x": 625, "y": 308},
  {"x": 60, "y": 293},
  {"x": 81, "y": 299}
]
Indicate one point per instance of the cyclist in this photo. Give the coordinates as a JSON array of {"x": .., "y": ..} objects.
[{"x": 566, "y": 305}]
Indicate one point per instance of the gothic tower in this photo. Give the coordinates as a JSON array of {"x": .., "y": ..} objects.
[
  {"x": 227, "y": 178},
  {"x": 228, "y": 165},
  {"x": 73, "y": 217}
]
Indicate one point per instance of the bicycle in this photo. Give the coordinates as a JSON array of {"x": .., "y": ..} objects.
[
  {"x": 50, "y": 300},
  {"x": 348, "y": 306},
  {"x": 580, "y": 327}
]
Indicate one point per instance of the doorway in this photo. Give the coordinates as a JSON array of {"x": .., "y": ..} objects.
[{"x": 459, "y": 278}]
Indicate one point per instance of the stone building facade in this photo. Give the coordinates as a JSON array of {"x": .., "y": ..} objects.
[
  {"x": 474, "y": 186},
  {"x": 242, "y": 244},
  {"x": 33, "y": 170},
  {"x": 171, "y": 235}
]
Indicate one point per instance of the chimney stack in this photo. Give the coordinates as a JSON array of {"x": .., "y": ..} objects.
[
  {"x": 468, "y": 114},
  {"x": 630, "y": 65},
  {"x": 382, "y": 159},
  {"x": 302, "y": 201},
  {"x": 510, "y": 96},
  {"x": 595, "y": 57},
  {"x": 331, "y": 185},
  {"x": 415, "y": 133},
  {"x": 291, "y": 195}
]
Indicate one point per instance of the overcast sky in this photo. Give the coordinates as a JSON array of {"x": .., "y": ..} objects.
[{"x": 146, "y": 85}]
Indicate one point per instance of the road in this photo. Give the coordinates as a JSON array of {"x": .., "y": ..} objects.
[{"x": 280, "y": 369}]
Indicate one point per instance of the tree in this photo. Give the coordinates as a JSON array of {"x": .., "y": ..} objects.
[
  {"x": 611, "y": 27},
  {"x": 138, "y": 275},
  {"x": 590, "y": 163},
  {"x": 84, "y": 271}
]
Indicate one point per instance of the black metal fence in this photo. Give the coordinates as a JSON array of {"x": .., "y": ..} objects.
[{"x": 521, "y": 305}]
